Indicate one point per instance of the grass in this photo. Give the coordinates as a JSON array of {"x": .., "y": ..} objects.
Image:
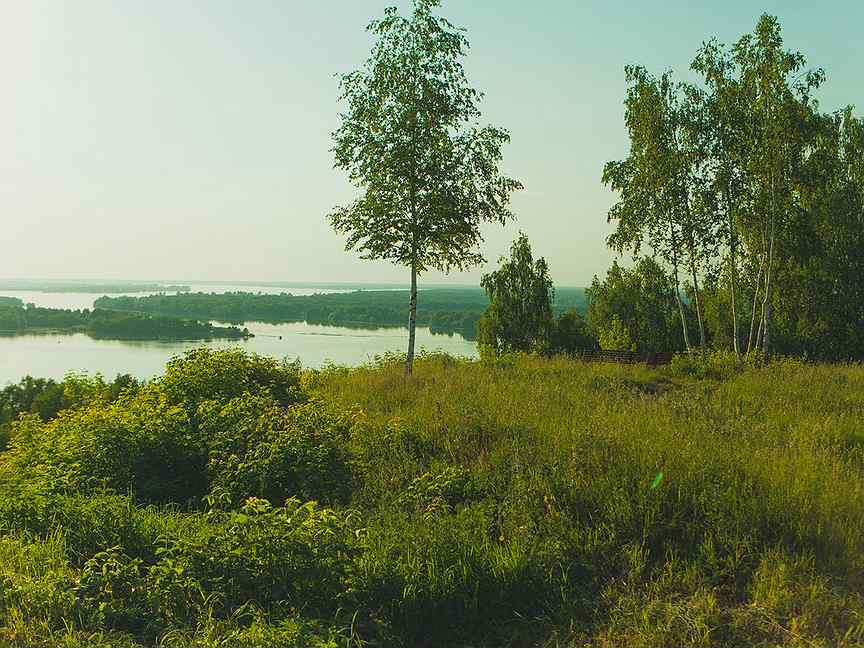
[{"x": 529, "y": 502}]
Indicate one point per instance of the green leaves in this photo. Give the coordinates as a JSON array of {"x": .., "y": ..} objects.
[
  {"x": 519, "y": 316},
  {"x": 409, "y": 140}
]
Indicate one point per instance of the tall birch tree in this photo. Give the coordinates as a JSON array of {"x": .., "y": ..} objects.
[
  {"x": 776, "y": 90},
  {"x": 410, "y": 141},
  {"x": 658, "y": 183}
]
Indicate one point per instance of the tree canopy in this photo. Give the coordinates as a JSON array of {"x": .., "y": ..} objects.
[
  {"x": 519, "y": 316},
  {"x": 410, "y": 141}
]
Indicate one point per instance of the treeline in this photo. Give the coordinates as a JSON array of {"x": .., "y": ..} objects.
[
  {"x": 113, "y": 325},
  {"x": 81, "y": 287},
  {"x": 750, "y": 202},
  {"x": 442, "y": 309},
  {"x": 45, "y": 398},
  {"x": 750, "y": 198}
]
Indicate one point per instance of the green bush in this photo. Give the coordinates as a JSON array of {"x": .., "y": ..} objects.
[
  {"x": 294, "y": 556},
  {"x": 439, "y": 490},
  {"x": 203, "y": 374},
  {"x": 258, "y": 449},
  {"x": 140, "y": 443},
  {"x": 153, "y": 442},
  {"x": 112, "y": 584}
]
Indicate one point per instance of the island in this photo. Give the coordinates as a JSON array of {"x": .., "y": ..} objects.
[{"x": 17, "y": 319}]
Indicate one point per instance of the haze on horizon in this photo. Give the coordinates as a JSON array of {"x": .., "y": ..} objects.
[{"x": 190, "y": 141}]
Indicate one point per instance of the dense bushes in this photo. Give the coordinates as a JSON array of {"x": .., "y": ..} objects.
[
  {"x": 258, "y": 449},
  {"x": 532, "y": 502},
  {"x": 45, "y": 397},
  {"x": 163, "y": 443}
]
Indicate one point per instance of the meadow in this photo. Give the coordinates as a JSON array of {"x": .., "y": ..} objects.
[{"x": 526, "y": 501}]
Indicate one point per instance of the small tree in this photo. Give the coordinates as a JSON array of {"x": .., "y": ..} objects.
[
  {"x": 642, "y": 300},
  {"x": 614, "y": 336},
  {"x": 571, "y": 334},
  {"x": 519, "y": 316},
  {"x": 410, "y": 141}
]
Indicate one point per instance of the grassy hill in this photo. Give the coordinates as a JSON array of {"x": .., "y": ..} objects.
[{"x": 239, "y": 501}]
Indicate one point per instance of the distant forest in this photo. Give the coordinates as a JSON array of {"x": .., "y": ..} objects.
[
  {"x": 80, "y": 287},
  {"x": 441, "y": 309},
  {"x": 102, "y": 324}
]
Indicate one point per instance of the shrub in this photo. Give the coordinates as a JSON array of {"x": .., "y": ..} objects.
[
  {"x": 141, "y": 443},
  {"x": 203, "y": 374},
  {"x": 259, "y": 449},
  {"x": 439, "y": 490},
  {"x": 112, "y": 584},
  {"x": 294, "y": 556}
]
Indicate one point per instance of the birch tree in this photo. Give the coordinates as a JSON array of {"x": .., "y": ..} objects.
[
  {"x": 659, "y": 202},
  {"x": 726, "y": 130},
  {"x": 519, "y": 316},
  {"x": 410, "y": 142},
  {"x": 776, "y": 89}
]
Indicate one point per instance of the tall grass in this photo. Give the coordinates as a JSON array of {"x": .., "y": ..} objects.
[
  {"x": 528, "y": 502},
  {"x": 760, "y": 499}
]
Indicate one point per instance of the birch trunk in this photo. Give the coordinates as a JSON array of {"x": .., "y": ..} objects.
[
  {"x": 412, "y": 320},
  {"x": 698, "y": 303},
  {"x": 733, "y": 274},
  {"x": 767, "y": 310},
  {"x": 753, "y": 342},
  {"x": 678, "y": 289}
]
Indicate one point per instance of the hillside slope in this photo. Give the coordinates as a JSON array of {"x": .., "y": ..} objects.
[{"x": 239, "y": 501}]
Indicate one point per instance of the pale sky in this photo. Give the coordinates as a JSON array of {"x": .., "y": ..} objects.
[{"x": 189, "y": 139}]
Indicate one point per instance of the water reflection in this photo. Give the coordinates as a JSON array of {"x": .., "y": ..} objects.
[{"x": 52, "y": 355}]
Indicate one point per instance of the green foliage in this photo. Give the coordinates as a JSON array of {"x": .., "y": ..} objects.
[
  {"x": 634, "y": 307},
  {"x": 107, "y": 324},
  {"x": 519, "y": 316},
  {"x": 259, "y": 449},
  {"x": 203, "y": 374},
  {"x": 292, "y": 556},
  {"x": 157, "y": 441},
  {"x": 142, "y": 443},
  {"x": 514, "y": 503},
  {"x": 718, "y": 365},
  {"x": 439, "y": 490},
  {"x": 409, "y": 140},
  {"x": 571, "y": 334},
  {"x": 46, "y": 398},
  {"x": 741, "y": 183},
  {"x": 614, "y": 336}
]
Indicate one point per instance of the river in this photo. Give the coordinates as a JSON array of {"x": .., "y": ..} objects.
[{"x": 53, "y": 356}]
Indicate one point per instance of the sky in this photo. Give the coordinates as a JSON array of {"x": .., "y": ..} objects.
[{"x": 190, "y": 140}]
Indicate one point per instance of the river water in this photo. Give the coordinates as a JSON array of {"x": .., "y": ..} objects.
[{"x": 53, "y": 356}]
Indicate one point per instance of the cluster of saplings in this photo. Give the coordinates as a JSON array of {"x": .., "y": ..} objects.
[
  {"x": 751, "y": 201},
  {"x": 240, "y": 501},
  {"x": 100, "y": 323}
]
